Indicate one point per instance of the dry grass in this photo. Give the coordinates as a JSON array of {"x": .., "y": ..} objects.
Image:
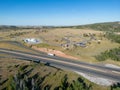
[
  {"x": 57, "y": 34},
  {"x": 87, "y": 54},
  {"x": 54, "y": 37},
  {"x": 15, "y": 46}
]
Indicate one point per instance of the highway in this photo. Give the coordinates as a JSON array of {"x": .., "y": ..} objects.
[{"x": 64, "y": 63}]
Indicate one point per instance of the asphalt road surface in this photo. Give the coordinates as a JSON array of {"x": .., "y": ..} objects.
[{"x": 64, "y": 63}]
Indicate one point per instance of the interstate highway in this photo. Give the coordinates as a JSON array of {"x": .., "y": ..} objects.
[{"x": 74, "y": 65}]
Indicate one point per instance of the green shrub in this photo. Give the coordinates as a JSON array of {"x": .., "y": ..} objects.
[{"x": 113, "y": 54}]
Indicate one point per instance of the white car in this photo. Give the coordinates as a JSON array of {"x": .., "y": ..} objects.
[{"x": 51, "y": 54}]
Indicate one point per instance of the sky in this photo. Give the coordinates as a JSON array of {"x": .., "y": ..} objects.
[{"x": 58, "y": 12}]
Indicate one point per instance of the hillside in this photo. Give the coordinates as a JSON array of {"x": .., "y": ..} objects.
[
  {"x": 26, "y": 75},
  {"x": 104, "y": 26},
  {"x": 107, "y": 26},
  {"x": 57, "y": 39}
]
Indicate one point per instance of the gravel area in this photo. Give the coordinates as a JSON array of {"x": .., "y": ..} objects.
[
  {"x": 112, "y": 66},
  {"x": 97, "y": 80}
]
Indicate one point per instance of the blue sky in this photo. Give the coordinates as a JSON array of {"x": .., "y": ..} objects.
[{"x": 58, "y": 12}]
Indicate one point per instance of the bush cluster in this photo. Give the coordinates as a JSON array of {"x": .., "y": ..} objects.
[{"x": 113, "y": 54}]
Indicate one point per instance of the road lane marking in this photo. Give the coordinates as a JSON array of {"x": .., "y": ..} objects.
[
  {"x": 116, "y": 72},
  {"x": 56, "y": 60}
]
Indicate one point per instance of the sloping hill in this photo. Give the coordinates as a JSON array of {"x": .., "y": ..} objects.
[
  {"x": 112, "y": 26},
  {"x": 24, "y": 75}
]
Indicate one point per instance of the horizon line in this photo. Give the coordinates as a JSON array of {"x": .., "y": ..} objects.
[{"x": 59, "y": 25}]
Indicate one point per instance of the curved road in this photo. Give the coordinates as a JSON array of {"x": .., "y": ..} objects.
[{"x": 64, "y": 63}]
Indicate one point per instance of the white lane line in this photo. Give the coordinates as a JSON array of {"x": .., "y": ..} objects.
[
  {"x": 64, "y": 62},
  {"x": 117, "y": 72}
]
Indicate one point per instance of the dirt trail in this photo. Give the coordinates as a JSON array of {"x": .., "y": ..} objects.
[{"x": 56, "y": 52}]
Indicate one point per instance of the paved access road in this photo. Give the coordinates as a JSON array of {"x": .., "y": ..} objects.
[{"x": 64, "y": 63}]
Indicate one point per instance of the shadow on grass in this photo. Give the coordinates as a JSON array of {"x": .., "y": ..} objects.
[{"x": 115, "y": 86}]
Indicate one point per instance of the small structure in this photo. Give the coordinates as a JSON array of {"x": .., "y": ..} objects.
[
  {"x": 32, "y": 40},
  {"x": 81, "y": 44}
]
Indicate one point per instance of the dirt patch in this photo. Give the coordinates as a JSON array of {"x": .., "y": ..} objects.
[
  {"x": 118, "y": 33},
  {"x": 56, "y": 52}
]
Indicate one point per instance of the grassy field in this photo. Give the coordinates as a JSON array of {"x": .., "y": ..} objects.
[
  {"x": 15, "y": 46},
  {"x": 53, "y": 38},
  {"x": 93, "y": 49}
]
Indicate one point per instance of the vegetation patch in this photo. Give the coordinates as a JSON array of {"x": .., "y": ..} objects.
[
  {"x": 111, "y": 26},
  {"x": 113, "y": 54},
  {"x": 113, "y": 37}
]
